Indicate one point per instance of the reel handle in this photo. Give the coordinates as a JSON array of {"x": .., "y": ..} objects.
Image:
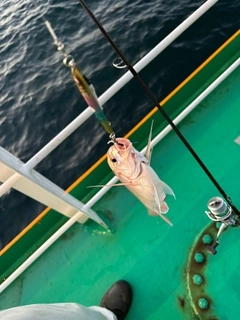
[{"x": 212, "y": 249}]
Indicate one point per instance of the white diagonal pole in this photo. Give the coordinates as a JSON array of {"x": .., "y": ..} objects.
[{"x": 36, "y": 186}]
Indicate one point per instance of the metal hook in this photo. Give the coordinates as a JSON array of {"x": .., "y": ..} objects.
[
  {"x": 119, "y": 64},
  {"x": 114, "y": 140}
]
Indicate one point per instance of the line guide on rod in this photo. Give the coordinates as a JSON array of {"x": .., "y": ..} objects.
[{"x": 155, "y": 101}]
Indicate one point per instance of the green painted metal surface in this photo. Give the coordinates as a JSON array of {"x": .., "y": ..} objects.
[{"x": 155, "y": 258}]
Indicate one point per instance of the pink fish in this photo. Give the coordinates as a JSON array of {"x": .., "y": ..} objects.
[{"x": 134, "y": 171}]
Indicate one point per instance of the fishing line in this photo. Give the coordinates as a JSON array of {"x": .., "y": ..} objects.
[{"x": 152, "y": 97}]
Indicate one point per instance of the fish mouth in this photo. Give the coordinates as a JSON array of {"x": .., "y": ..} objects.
[{"x": 122, "y": 145}]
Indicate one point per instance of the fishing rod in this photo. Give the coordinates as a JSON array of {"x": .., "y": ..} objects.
[
  {"x": 155, "y": 101},
  {"x": 83, "y": 84}
]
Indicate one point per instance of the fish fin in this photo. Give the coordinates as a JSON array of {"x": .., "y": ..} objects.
[
  {"x": 149, "y": 150},
  {"x": 112, "y": 185},
  {"x": 166, "y": 219},
  {"x": 163, "y": 208},
  {"x": 152, "y": 213},
  {"x": 157, "y": 199},
  {"x": 167, "y": 189}
]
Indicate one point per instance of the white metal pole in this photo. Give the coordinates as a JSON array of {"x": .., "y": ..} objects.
[
  {"x": 91, "y": 202},
  {"x": 9, "y": 183}
]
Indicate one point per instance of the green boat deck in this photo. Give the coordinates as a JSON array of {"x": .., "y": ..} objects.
[{"x": 155, "y": 258}]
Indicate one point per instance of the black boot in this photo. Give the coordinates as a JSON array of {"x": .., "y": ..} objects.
[{"x": 118, "y": 299}]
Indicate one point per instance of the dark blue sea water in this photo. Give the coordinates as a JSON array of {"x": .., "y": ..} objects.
[{"x": 38, "y": 97}]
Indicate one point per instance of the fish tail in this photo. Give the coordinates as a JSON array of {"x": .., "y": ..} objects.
[{"x": 152, "y": 213}]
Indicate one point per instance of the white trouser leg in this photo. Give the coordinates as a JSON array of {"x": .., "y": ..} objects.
[{"x": 58, "y": 311}]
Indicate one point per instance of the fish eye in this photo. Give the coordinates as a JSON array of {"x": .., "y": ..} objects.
[{"x": 114, "y": 160}]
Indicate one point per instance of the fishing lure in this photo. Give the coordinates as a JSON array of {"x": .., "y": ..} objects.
[
  {"x": 89, "y": 94},
  {"x": 83, "y": 84}
]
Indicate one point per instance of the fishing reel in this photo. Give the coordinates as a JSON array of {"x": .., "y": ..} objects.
[{"x": 220, "y": 211}]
